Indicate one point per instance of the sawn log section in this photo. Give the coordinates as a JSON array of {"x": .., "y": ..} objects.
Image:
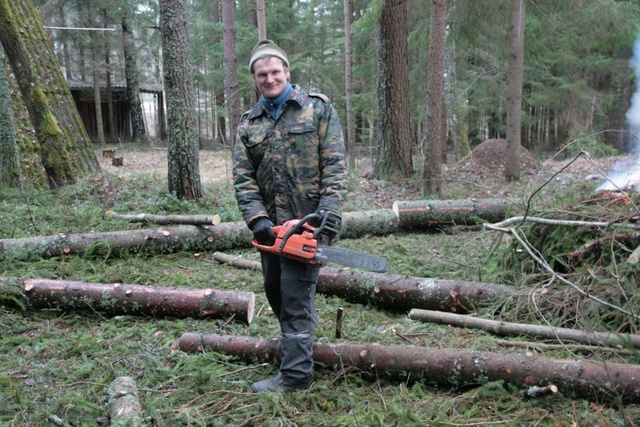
[
  {"x": 394, "y": 291},
  {"x": 611, "y": 382},
  {"x": 153, "y": 301}
]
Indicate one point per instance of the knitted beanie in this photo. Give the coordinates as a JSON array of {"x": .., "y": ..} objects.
[{"x": 267, "y": 48}]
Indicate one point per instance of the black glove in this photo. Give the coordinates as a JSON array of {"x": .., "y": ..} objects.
[
  {"x": 328, "y": 223},
  {"x": 262, "y": 230}
]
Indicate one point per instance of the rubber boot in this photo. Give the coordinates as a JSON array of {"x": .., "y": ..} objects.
[{"x": 277, "y": 384}]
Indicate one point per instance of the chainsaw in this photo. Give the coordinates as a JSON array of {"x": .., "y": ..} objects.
[{"x": 298, "y": 240}]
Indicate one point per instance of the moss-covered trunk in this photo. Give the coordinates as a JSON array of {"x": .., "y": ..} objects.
[{"x": 64, "y": 147}]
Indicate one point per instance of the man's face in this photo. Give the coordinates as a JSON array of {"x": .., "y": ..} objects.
[{"x": 270, "y": 76}]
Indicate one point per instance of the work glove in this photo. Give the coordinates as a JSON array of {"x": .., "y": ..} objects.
[
  {"x": 262, "y": 230},
  {"x": 328, "y": 224}
]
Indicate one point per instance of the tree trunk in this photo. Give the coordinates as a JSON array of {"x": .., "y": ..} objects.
[
  {"x": 417, "y": 213},
  {"x": 124, "y": 403},
  {"x": 610, "y": 382},
  {"x": 397, "y": 292},
  {"x": 183, "y": 160},
  {"x": 157, "y": 240},
  {"x": 95, "y": 70},
  {"x": 505, "y": 328},
  {"x": 65, "y": 150},
  {"x": 350, "y": 141},
  {"x": 113, "y": 128},
  {"x": 138, "y": 130},
  {"x": 153, "y": 301},
  {"x": 9, "y": 158},
  {"x": 432, "y": 172},
  {"x": 262, "y": 20},
  {"x": 394, "y": 126},
  {"x": 514, "y": 90},
  {"x": 232, "y": 91}
]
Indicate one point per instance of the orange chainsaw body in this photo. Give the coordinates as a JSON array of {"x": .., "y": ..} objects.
[{"x": 300, "y": 246}]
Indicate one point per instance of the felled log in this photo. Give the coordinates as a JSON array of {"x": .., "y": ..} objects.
[
  {"x": 153, "y": 301},
  {"x": 611, "y": 382},
  {"x": 519, "y": 329},
  {"x": 234, "y": 235},
  {"x": 164, "y": 239},
  {"x": 124, "y": 404},
  {"x": 165, "y": 219},
  {"x": 421, "y": 213},
  {"x": 397, "y": 292}
]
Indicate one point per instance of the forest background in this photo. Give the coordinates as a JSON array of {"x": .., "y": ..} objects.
[{"x": 577, "y": 86}]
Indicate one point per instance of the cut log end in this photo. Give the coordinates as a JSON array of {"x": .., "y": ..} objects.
[{"x": 251, "y": 304}]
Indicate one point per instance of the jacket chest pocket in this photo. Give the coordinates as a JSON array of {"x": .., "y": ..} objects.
[{"x": 302, "y": 142}]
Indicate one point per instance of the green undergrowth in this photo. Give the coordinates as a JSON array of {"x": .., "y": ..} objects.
[{"x": 55, "y": 366}]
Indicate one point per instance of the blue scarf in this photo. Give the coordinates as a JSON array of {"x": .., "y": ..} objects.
[{"x": 275, "y": 105}]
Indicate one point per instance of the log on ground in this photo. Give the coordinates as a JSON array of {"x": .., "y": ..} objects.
[
  {"x": 124, "y": 404},
  {"x": 397, "y": 292},
  {"x": 518, "y": 329},
  {"x": 427, "y": 213},
  {"x": 153, "y": 301},
  {"x": 162, "y": 240},
  {"x": 235, "y": 235},
  {"x": 610, "y": 382}
]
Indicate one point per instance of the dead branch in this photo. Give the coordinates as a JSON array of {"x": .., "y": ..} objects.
[
  {"x": 606, "y": 381},
  {"x": 589, "y": 246},
  {"x": 538, "y": 331}
]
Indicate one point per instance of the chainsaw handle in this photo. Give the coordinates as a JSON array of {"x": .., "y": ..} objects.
[{"x": 297, "y": 229}]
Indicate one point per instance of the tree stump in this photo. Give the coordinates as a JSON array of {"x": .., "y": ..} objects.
[
  {"x": 117, "y": 161},
  {"x": 108, "y": 152}
]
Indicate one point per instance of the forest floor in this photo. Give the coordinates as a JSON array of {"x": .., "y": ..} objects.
[
  {"x": 478, "y": 175},
  {"x": 56, "y": 365}
]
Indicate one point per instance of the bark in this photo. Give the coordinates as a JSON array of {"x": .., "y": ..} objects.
[
  {"x": 514, "y": 90},
  {"x": 610, "y": 382},
  {"x": 519, "y": 329},
  {"x": 9, "y": 158},
  {"x": 397, "y": 292},
  {"x": 154, "y": 301},
  {"x": 63, "y": 144},
  {"x": 436, "y": 145},
  {"x": 394, "y": 127},
  {"x": 350, "y": 134},
  {"x": 449, "y": 212},
  {"x": 138, "y": 130},
  {"x": 232, "y": 93},
  {"x": 157, "y": 240},
  {"x": 166, "y": 219},
  {"x": 124, "y": 403},
  {"x": 262, "y": 19},
  {"x": 183, "y": 160}
]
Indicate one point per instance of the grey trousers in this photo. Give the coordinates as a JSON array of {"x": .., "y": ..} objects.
[{"x": 290, "y": 287}]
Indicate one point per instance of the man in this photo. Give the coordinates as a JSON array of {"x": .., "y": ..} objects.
[{"x": 289, "y": 162}]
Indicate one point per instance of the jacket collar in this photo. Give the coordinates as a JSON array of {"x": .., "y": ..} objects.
[{"x": 298, "y": 96}]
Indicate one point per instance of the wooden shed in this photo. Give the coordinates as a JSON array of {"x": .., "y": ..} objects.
[{"x": 152, "y": 98}]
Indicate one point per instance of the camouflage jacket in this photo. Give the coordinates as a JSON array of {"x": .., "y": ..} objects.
[{"x": 289, "y": 167}]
